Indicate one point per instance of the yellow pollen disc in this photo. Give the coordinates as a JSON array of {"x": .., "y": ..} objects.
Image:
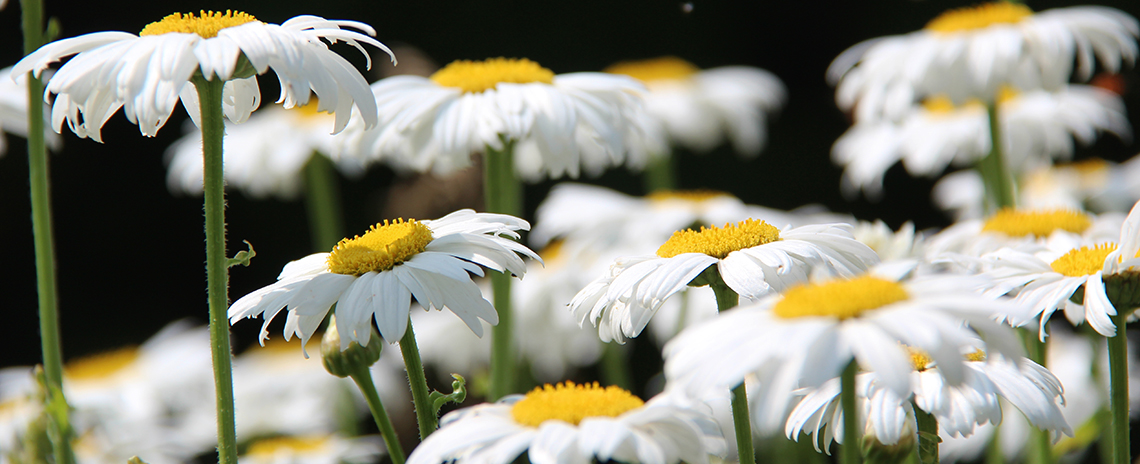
[
  {"x": 572, "y": 403},
  {"x": 720, "y": 241},
  {"x": 478, "y": 76},
  {"x": 938, "y": 104},
  {"x": 552, "y": 252},
  {"x": 1091, "y": 166},
  {"x": 920, "y": 359},
  {"x": 1037, "y": 223},
  {"x": 979, "y": 17},
  {"x": 977, "y": 356},
  {"x": 290, "y": 445},
  {"x": 1007, "y": 93},
  {"x": 655, "y": 69},
  {"x": 381, "y": 248},
  {"x": 207, "y": 24},
  {"x": 842, "y": 299},
  {"x": 100, "y": 365},
  {"x": 1083, "y": 261},
  {"x": 694, "y": 196}
]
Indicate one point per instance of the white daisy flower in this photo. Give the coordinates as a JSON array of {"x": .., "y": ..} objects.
[
  {"x": 574, "y": 424},
  {"x": 314, "y": 449},
  {"x": 812, "y": 332},
  {"x": 958, "y": 408},
  {"x": 967, "y": 240},
  {"x": 147, "y": 74},
  {"x": 753, "y": 258},
  {"x": 970, "y": 52},
  {"x": 375, "y": 277},
  {"x": 1049, "y": 279},
  {"x": 1037, "y": 127},
  {"x": 560, "y": 124},
  {"x": 14, "y": 111},
  {"x": 698, "y": 109},
  {"x": 266, "y": 155}
]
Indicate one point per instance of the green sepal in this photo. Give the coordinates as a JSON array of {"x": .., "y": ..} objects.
[
  {"x": 53, "y": 30},
  {"x": 457, "y": 395},
  {"x": 135, "y": 460},
  {"x": 242, "y": 257},
  {"x": 710, "y": 276}
]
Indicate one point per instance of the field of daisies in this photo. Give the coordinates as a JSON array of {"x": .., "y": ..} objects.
[{"x": 288, "y": 233}]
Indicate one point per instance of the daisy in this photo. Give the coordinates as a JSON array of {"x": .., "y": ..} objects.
[
  {"x": 573, "y": 424},
  {"x": 812, "y": 332},
  {"x": 971, "y": 52},
  {"x": 968, "y": 240},
  {"x": 314, "y": 449},
  {"x": 1049, "y": 279},
  {"x": 698, "y": 109},
  {"x": 752, "y": 257},
  {"x": 264, "y": 156},
  {"x": 1038, "y": 127},
  {"x": 557, "y": 124},
  {"x": 375, "y": 277},
  {"x": 14, "y": 110},
  {"x": 887, "y": 416},
  {"x": 148, "y": 73}
]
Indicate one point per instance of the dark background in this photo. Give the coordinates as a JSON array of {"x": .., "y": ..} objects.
[{"x": 130, "y": 254}]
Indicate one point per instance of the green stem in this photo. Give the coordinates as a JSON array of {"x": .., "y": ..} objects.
[
  {"x": 1118, "y": 391},
  {"x": 615, "y": 365},
  {"x": 994, "y": 453},
  {"x": 1040, "y": 449},
  {"x": 660, "y": 173},
  {"x": 217, "y": 274},
  {"x": 502, "y": 193},
  {"x": 363, "y": 378},
  {"x": 850, "y": 451},
  {"x": 995, "y": 173},
  {"x": 421, "y": 399},
  {"x": 322, "y": 200},
  {"x": 727, "y": 299},
  {"x": 927, "y": 436}
]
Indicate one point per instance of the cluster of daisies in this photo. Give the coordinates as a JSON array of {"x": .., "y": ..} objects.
[{"x": 802, "y": 324}]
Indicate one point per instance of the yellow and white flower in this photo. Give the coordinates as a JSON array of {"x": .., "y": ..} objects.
[
  {"x": 809, "y": 334},
  {"x": 698, "y": 109},
  {"x": 573, "y": 424},
  {"x": 14, "y": 111},
  {"x": 753, "y": 258},
  {"x": 147, "y": 74},
  {"x": 559, "y": 124},
  {"x": 376, "y": 276},
  {"x": 971, "y": 52},
  {"x": 959, "y": 409},
  {"x": 1017, "y": 228},
  {"x": 1037, "y": 127},
  {"x": 314, "y": 449},
  {"x": 266, "y": 155}
]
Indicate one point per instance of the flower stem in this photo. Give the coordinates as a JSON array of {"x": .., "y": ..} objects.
[
  {"x": 1040, "y": 449},
  {"x": 421, "y": 399},
  {"x": 363, "y": 378},
  {"x": 217, "y": 273},
  {"x": 502, "y": 193},
  {"x": 927, "y": 436},
  {"x": 995, "y": 173},
  {"x": 727, "y": 299},
  {"x": 1118, "y": 390},
  {"x": 660, "y": 173},
  {"x": 322, "y": 200},
  {"x": 615, "y": 365},
  {"x": 850, "y": 451}
]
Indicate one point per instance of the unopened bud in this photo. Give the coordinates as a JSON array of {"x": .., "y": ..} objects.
[{"x": 344, "y": 363}]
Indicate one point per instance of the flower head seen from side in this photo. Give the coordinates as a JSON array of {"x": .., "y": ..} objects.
[
  {"x": 559, "y": 124},
  {"x": 14, "y": 111},
  {"x": 266, "y": 155},
  {"x": 376, "y": 275},
  {"x": 752, "y": 257},
  {"x": 968, "y": 240},
  {"x": 698, "y": 108},
  {"x": 314, "y": 449},
  {"x": 970, "y": 52},
  {"x": 812, "y": 332},
  {"x": 568, "y": 423},
  {"x": 147, "y": 74},
  {"x": 959, "y": 409}
]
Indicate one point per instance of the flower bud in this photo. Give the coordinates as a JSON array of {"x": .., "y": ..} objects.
[{"x": 344, "y": 363}]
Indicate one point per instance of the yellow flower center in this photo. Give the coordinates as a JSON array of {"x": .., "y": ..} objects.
[
  {"x": 479, "y": 76},
  {"x": 1091, "y": 166},
  {"x": 287, "y": 445},
  {"x": 101, "y": 365},
  {"x": 719, "y": 242},
  {"x": 977, "y": 356},
  {"x": 842, "y": 299},
  {"x": 1083, "y": 261},
  {"x": 381, "y": 248},
  {"x": 207, "y": 24},
  {"x": 572, "y": 403},
  {"x": 552, "y": 252},
  {"x": 1037, "y": 223},
  {"x": 922, "y": 360},
  {"x": 693, "y": 196},
  {"x": 979, "y": 17},
  {"x": 655, "y": 69}
]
